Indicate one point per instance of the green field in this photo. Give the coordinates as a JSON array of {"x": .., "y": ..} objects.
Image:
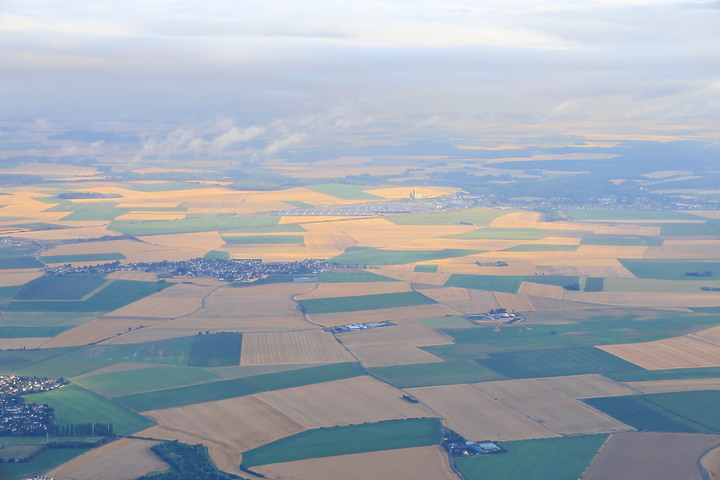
[
  {"x": 358, "y": 276},
  {"x": 707, "y": 228},
  {"x": 74, "y": 404},
  {"x": 83, "y": 257},
  {"x": 501, "y": 234},
  {"x": 220, "y": 390},
  {"x": 363, "y": 302},
  {"x": 171, "y": 351},
  {"x": 376, "y": 256},
  {"x": 470, "y": 217},
  {"x": 63, "y": 362},
  {"x": 193, "y": 223},
  {"x": 9, "y": 292},
  {"x": 345, "y": 192},
  {"x": 264, "y": 239},
  {"x": 426, "y": 268},
  {"x": 594, "y": 284},
  {"x": 299, "y": 204},
  {"x": 669, "y": 374},
  {"x": 96, "y": 211},
  {"x": 215, "y": 350},
  {"x": 116, "y": 294},
  {"x": 145, "y": 380},
  {"x": 693, "y": 412},
  {"x": 18, "y": 452},
  {"x": 11, "y": 263},
  {"x": 40, "y": 464},
  {"x": 31, "y": 332},
  {"x": 435, "y": 373},
  {"x": 555, "y": 362},
  {"x": 219, "y": 254},
  {"x": 56, "y": 287},
  {"x": 672, "y": 269},
  {"x": 592, "y": 215},
  {"x": 45, "y": 319},
  {"x": 542, "y": 459},
  {"x": 622, "y": 240},
  {"x": 345, "y": 440},
  {"x": 495, "y": 283},
  {"x": 541, "y": 247}
]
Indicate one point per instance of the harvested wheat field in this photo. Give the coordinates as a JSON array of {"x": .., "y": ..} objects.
[
  {"x": 10, "y": 278},
  {"x": 98, "y": 330},
  {"x": 343, "y": 402},
  {"x": 349, "y": 289},
  {"x": 159, "y": 307},
  {"x": 514, "y": 302},
  {"x": 383, "y": 355},
  {"x": 227, "y": 427},
  {"x": 68, "y": 234},
  {"x": 291, "y": 348},
  {"x": 204, "y": 240},
  {"x": 407, "y": 274},
  {"x": 541, "y": 290},
  {"x": 592, "y": 267},
  {"x": 146, "y": 216},
  {"x": 22, "y": 343},
  {"x": 124, "y": 459},
  {"x": 274, "y": 300},
  {"x": 710, "y": 334},
  {"x": 476, "y": 415},
  {"x": 407, "y": 332},
  {"x": 379, "y": 232},
  {"x": 464, "y": 300},
  {"x": 691, "y": 251},
  {"x": 666, "y": 386},
  {"x": 557, "y": 410},
  {"x": 711, "y": 462},
  {"x": 677, "y": 352},
  {"x": 514, "y": 267},
  {"x": 401, "y": 464},
  {"x": 134, "y": 251},
  {"x": 650, "y": 456},
  {"x": 381, "y": 315},
  {"x": 327, "y": 246},
  {"x": 135, "y": 275},
  {"x": 648, "y": 299}
]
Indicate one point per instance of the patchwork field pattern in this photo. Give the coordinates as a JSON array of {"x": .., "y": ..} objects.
[{"x": 312, "y": 346}]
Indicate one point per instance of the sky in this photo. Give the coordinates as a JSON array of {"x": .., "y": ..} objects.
[{"x": 332, "y": 66}]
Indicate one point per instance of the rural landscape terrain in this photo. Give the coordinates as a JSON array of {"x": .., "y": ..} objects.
[{"x": 537, "y": 311}]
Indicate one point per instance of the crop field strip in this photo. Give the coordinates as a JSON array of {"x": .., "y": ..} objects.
[
  {"x": 363, "y": 302},
  {"x": 311, "y": 346}
]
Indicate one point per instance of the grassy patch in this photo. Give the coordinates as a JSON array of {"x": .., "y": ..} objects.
[
  {"x": 363, "y": 302},
  {"x": 359, "y": 276},
  {"x": 454, "y": 217},
  {"x": 694, "y": 412},
  {"x": 344, "y": 440},
  {"x": 539, "y": 247},
  {"x": 193, "y": 223},
  {"x": 672, "y": 269},
  {"x": 426, "y": 268},
  {"x": 542, "y": 459},
  {"x": 31, "y": 332},
  {"x": 376, "y": 256},
  {"x": 83, "y": 257},
  {"x": 501, "y": 234},
  {"x": 220, "y": 390},
  {"x": 594, "y": 215},
  {"x": 668, "y": 374},
  {"x": 117, "y": 294},
  {"x": 215, "y": 350},
  {"x": 264, "y": 239},
  {"x": 495, "y": 283},
  {"x": 555, "y": 362},
  {"x": 54, "y": 287},
  {"x": 217, "y": 254},
  {"x": 40, "y": 464},
  {"x": 74, "y": 404},
  {"x": 435, "y": 373},
  {"x": 11, "y": 263},
  {"x": 345, "y": 192},
  {"x": 594, "y": 284},
  {"x": 706, "y": 228},
  {"x": 145, "y": 380}
]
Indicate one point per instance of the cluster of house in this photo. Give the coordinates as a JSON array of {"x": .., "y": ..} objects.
[
  {"x": 474, "y": 448},
  {"x": 18, "y": 417},
  {"x": 353, "y": 327}
]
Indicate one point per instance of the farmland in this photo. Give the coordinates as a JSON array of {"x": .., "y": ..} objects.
[
  {"x": 435, "y": 373},
  {"x": 376, "y": 256},
  {"x": 345, "y": 440},
  {"x": 363, "y": 302},
  {"x": 59, "y": 288},
  {"x": 543, "y": 459}
]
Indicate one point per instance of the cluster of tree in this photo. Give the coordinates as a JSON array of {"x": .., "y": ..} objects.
[
  {"x": 572, "y": 286},
  {"x": 79, "y": 429},
  {"x": 495, "y": 311},
  {"x": 706, "y": 273},
  {"x": 187, "y": 462}
]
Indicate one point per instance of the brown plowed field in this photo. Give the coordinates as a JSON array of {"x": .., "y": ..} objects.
[
  {"x": 476, "y": 415},
  {"x": 555, "y": 404},
  {"x": 514, "y": 302},
  {"x": 381, "y": 315},
  {"x": 677, "y": 352},
  {"x": 391, "y": 354},
  {"x": 349, "y": 289},
  {"x": 664, "y": 386},
  {"x": 402, "y": 464},
  {"x": 124, "y": 459},
  {"x": 650, "y": 456},
  {"x": 288, "y": 348},
  {"x": 29, "y": 342}
]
